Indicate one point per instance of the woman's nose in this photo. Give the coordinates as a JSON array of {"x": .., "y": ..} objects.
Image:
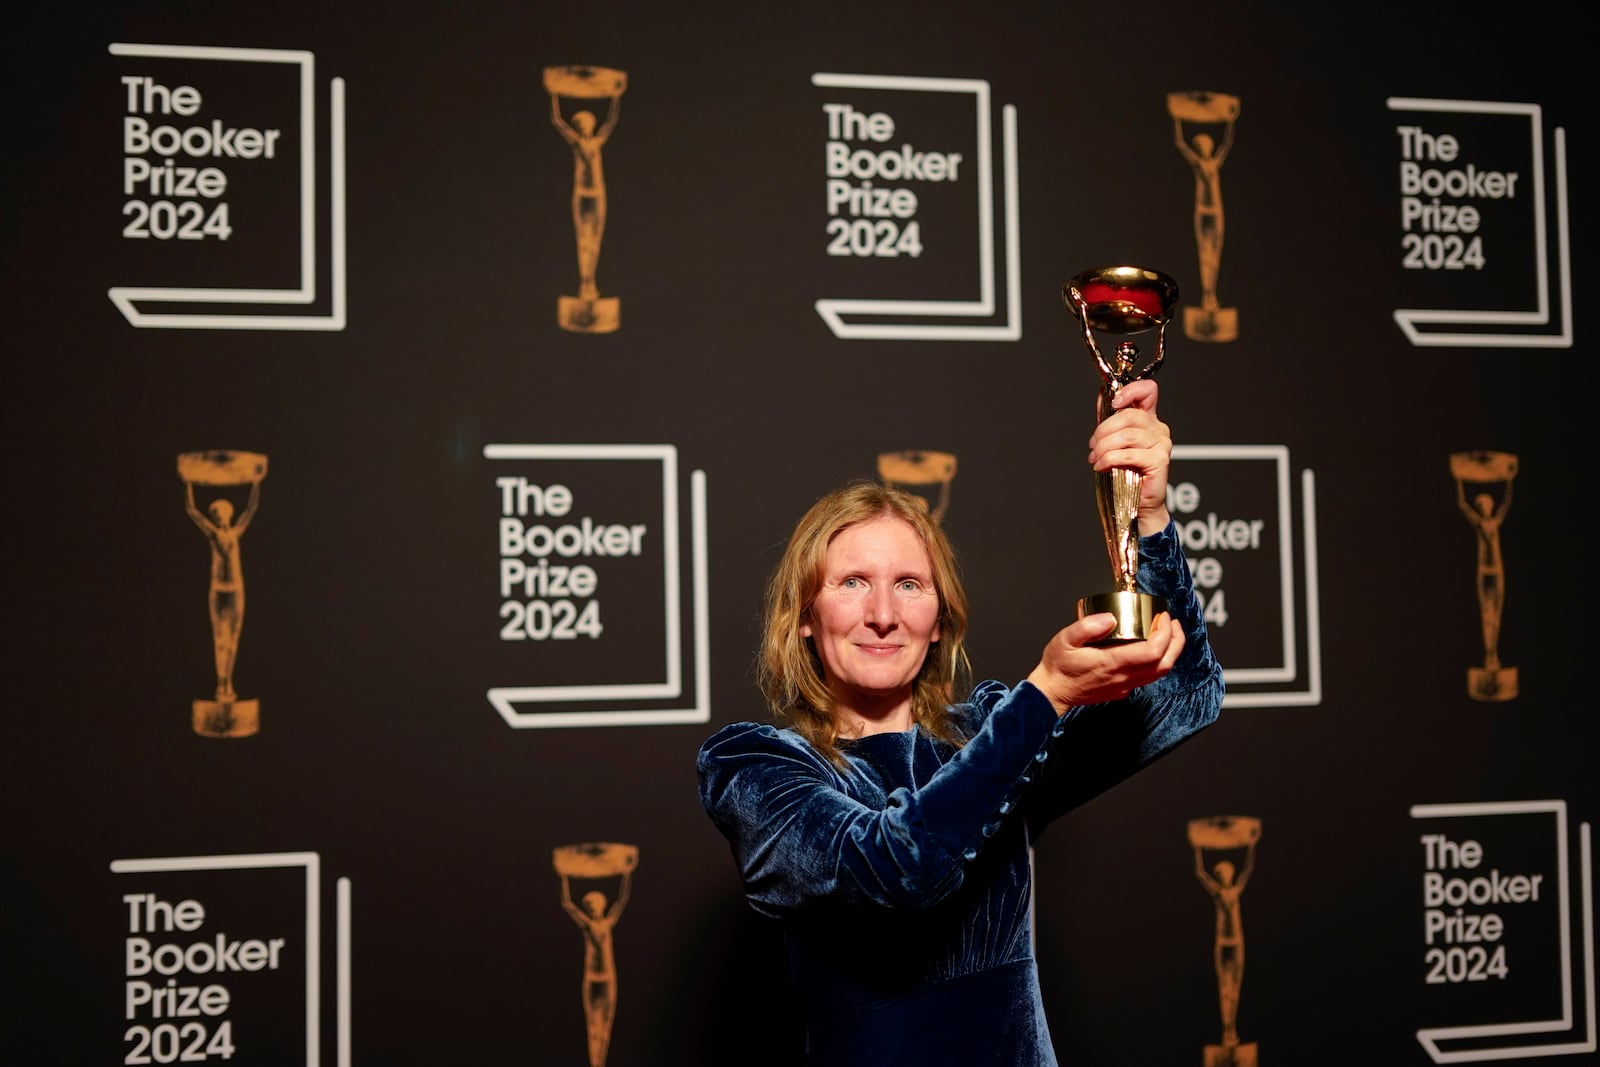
[{"x": 878, "y": 611}]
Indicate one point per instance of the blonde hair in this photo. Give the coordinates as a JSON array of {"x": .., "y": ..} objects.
[{"x": 789, "y": 669}]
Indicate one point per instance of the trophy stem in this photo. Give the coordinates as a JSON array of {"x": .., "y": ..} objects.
[{"x": 1117, "y": 493}]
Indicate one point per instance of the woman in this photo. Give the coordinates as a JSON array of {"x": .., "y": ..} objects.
[{"x": 889, "y": 828}]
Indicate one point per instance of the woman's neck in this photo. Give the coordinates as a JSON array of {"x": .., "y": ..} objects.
[{"x": 852, "y": 723}]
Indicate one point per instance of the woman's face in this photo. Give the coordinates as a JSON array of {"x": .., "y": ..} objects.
[{"x": 876, "y": 614}]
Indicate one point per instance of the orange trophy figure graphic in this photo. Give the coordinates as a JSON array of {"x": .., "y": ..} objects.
[
  {"x": 225, "y": 715},
  {"x": 588, "y": 312},
  {"x": 917, "y": 472},
  {"x": 1486, "y": 511},
  {"x": 604, "y": 861},
  {"x": 1225, "y": 883},
  {"x": 1205, "y": 152}
]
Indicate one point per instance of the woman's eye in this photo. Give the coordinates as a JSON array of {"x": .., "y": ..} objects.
[{"x": 910, "y": 586}]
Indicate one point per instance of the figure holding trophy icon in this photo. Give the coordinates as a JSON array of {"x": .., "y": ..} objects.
[
  {"x": 598, "y": 863},
  {"x": 1121, "y": 301},
  {"x": 1227, "y": 835},
  {"x": 588, "y": 311},
  {"x": 225, "y": 715},
  {"x": 1486, "y": 511},
  {"x": 1203, "y": 131}
]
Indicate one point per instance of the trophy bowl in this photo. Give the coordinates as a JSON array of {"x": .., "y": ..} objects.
[{"x": 1121, "y": 300}]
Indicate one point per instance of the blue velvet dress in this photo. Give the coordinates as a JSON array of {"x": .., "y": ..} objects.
[{"x": 902, "y": 881}]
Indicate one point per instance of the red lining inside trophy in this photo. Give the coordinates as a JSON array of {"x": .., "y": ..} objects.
[{"x": 1145, "y": 300}]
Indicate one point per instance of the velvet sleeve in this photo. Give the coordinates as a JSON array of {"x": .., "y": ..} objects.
[
  {"x": 1095, "y": 746},
  {"x": 803, "y": 832}
]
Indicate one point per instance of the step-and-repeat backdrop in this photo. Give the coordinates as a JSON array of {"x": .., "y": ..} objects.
[{"x": 407, "y": 405}]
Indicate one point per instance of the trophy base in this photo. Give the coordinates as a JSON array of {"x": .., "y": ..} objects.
[
  {"x": 1134, "y": 611},
  {"x": 1492, "y": 683},
  {"x": 227, "y": 718},
  {"x": 579, "y": 314},
  {"x": 1231, "y": 1055},
  {"x": 1211, "y": 324}
]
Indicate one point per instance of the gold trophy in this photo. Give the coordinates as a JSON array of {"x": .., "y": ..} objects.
[
  {"x": 225, "y": 715},
  {"x": 1229, "y": 834},
  {"x": 1486, "y": 511},
  {"x": 1122, "y": 300},
  {"x": 1203, "y": 131},
  {"x": 599, "y": 862},
  {"x": 920, "y": 472},
  {"x": 587, "y": 312}
]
